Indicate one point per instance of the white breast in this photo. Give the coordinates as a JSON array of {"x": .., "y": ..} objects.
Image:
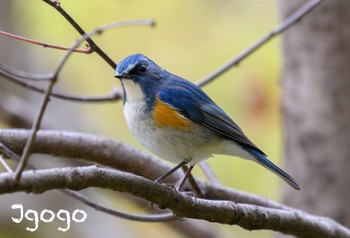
[
  {"x": 135, "y": 109},
  {"x": 170, "y": 144}
]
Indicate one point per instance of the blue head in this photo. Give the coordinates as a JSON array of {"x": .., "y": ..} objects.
[{"x": 136, "y": 73}]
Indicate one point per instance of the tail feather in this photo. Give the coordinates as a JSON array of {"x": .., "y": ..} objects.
[{"x": 261, "y": 159}]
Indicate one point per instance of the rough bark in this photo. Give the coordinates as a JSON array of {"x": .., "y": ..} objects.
[
  {"x": 249, "y": 217},
  {"x": 316, "y": 108}
]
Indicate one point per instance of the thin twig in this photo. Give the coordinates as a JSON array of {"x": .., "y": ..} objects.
[
  {"x": 93, "y": 46},
  {"x": 99, "y": 30},
  {"x": 292, "y": 19},
  {"x": 43, "y": 44},
  {"x": 36, "y": 125},
  {"x": 16, "y": 75},
  {"x": 10, "y": 73},
  {"x": 115, "y": 95},
  {"x": 5, "y": 165},
  {"x": 205, "y": 167},
  {"x": 133, "y": 217},
  {"x": 87, "y": 36},
  {"x": 9, "y": 153}
]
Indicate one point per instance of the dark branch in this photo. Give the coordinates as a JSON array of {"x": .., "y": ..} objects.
[
  {"x": 133, "y": 217},
  {"x": 77, "y": 27},
  {"x": 15, "y": 77},
  {"x": 36, "y": 125},
  {"x": 249, "y": 217}
]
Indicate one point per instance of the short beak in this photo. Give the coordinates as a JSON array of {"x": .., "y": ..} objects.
[{"x": 122, "y": 76}]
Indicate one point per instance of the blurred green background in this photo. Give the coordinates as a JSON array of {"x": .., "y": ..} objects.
[{"x": 191, "y": 39}]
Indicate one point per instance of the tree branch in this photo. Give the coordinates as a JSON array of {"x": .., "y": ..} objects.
[
  {"x": 17, "y": 77},
  {"x": 43, "y": 44},
  {"x": 249, "y": 217},
  {"x": 120, "y": 156},
  {"x": 56, "y": 4},
  {"x": 4, "y": 164},
  {"x": 143, "y": 218},
  {"x": 189, "y": 229},
  {"x": 288, "y": 22},
  {"x": 35, "y": 127}
]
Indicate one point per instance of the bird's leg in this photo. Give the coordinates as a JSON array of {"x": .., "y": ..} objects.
[
  {"x": 161, "y": 178},
  {"x": 194, "y": 185},
  {"x": 188, "y": 172}
]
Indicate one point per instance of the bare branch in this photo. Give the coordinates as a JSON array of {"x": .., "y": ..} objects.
[
  {"x": 249, "y": 217},
  {"x": 17, "y": 76},
  {"x": 292, "y": 19},
  {"x": 205, "y": 167},
  {"x": 115, "y": 95},
  {"x": 93, "y": 46},
  {"x": 43, "y": 44},
  {"x": 189, "y": 229},
  {"x": 4, "y": 164},
  {"x": 134, "y": 217},
  {"x": 10, "y": 73},
  {"x": 120, "y": 156},
  {"x": 30, "y": 142},
  {"x": 98, "y": 30}
]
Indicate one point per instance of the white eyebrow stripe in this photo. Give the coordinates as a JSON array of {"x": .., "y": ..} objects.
[{"x": 129, "y": 68}]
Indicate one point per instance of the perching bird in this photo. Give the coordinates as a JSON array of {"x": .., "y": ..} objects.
[{"x": 176, "y": 120}]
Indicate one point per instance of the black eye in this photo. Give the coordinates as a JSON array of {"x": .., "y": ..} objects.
[{"x": 142, "y": 68}]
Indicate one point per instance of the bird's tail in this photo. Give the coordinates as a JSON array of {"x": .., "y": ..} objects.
[{"x": 261, "y": 159}]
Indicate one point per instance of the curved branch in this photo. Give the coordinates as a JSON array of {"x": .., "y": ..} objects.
[
  {"x": 292, "y": 19},
  {"x": 115, "y": 95},
  {"x": 249, "y": 217},
  {"x": 10, "y": 73},
  {"x": 43, "y": 44},
  {"x": 134, "y": 217},
  {"x": 55, "y": 4},
  {"x": 121, "y": 156}
]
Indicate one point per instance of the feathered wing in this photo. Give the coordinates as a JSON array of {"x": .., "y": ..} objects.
[
  {"x": 219, "y": 121},
  {"x": 198, "y": 107},
  {"x": 195, "y": 105}
]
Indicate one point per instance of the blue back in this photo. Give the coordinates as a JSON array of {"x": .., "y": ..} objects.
[{"x": 187, "y": 98}]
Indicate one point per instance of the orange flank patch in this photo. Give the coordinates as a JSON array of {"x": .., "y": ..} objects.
[{"x": 166, "y": 116}]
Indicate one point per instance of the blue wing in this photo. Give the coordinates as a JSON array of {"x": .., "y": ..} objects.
[{"x": 195, "y": 105}]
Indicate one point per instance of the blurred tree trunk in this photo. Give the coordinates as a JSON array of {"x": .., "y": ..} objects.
[
  {"x": 316, "y": 108},
  {"x": 8, "y": 54}
]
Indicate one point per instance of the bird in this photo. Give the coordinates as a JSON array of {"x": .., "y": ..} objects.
[{"x": 177, "y": 121}]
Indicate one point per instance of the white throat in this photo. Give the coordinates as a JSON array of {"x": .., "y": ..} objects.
[{"x": 133, "y": 91}]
